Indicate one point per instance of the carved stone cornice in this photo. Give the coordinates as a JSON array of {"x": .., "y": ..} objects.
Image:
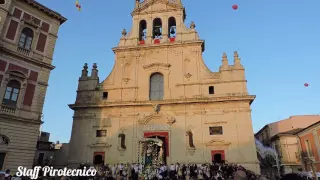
[
  {"x": 26, "y": 58},
  {"x": 215, "y": 122},
  {"x": 165, "y": 65},
  {"x": 116, "y": 88},
  {"x": 224, "y": 99},
  {"x": 157, "y": 46},
  {"x": 214, "y": 82},
  {"x": 215, "y": 75},
  {"x": 97, "y": 145}
]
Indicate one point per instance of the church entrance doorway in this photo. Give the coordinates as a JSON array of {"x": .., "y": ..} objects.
[
  {"x": 98, "y": 158},
  {"x": 218, "y": 156},
  {"x": 164, "y": 137}
]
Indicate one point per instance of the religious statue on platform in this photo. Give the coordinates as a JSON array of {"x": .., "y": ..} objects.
[
  {"x": 149, "y": 154},
  {"x": 160, "y": 154}
]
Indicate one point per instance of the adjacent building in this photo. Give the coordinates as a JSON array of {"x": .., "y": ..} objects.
[
  {"x": 160, "y": 88},
  {"x": 281, "y": 136},
  {"x": 309, "y": 141},
  {"x": 293, "y": 122},
  {"x": 45, "y": 150},
  {"x": 27, "y": 41},
  {"x": 49, "y": 153},
  {"x": 287, "y": 146}
]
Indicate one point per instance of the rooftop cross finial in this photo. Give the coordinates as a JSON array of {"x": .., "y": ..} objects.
[
  {"x": 85, "y": 66},
  {"x": 236, "y": 59},
  {"x": 94, "y": 72},
  {"x": 224, "y": 57},
  {"x": 192, "y": 25},
  {"x": 124, "y": 32},
  {"x": 84, "y": 70},
  {"x": 94, "y": 66},
  {"x": 236, "y": 55}
]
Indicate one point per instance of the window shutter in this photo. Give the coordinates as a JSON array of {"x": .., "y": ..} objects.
[
  {"x": 45, "y": 27},
  {"x": 41, "y": 42},
  {"x": 17, "y": 13},
  {"x": 12, "y": 30},
  {"x": 26, "y": 16},
  {"x": 3, "y": 65},
  {"x": 28, "y": 97}
]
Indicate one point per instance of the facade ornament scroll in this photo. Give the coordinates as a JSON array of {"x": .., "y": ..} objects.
[
  {"x": 165, "y": 65},
  {"x": 126, "y": 79},
  {"x": 145, "y": 119},
  {"x": 217, "y": 142},
  {"x": 188, "y": 76}
]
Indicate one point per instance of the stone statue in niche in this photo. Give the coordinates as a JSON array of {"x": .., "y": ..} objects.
[
  {"x": 190, "y": 135},
  {"x": 122, "y": 140},
  {"x": 156, "y": 108}
]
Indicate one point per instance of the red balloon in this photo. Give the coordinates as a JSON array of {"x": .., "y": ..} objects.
[
  {"x": 234, "y": 7},
  {"x": 306, "y": 84}
]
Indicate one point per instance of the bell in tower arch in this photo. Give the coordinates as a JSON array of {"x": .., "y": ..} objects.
[
  {"x": 172, "y": 31},
  {"x": 157, "y": 28},
  {"x": 172, "y": 27}
]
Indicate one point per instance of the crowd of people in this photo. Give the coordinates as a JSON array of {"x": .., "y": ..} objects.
[{"x": 176, "y": 171}]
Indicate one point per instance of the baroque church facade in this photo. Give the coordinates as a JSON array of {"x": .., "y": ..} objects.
[{"x": 160, "y": 88}]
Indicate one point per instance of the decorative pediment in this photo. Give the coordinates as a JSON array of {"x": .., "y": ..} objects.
[
  {"x": 165, "y": 65},
  {"x": 17, "y": 74},
  {"x": 146, "y": 119},
  {"x": 97, "y": 145},
  {"x": 216, "y": 142},
  {"x": 157, "y": 5}
]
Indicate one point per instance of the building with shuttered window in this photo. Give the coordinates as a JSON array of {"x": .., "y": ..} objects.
[
  {"x": 28, "y": 36},
  {"x": 160, "y": 88}
]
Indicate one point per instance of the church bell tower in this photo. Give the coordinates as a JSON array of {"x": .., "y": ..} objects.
[{"x": 158, "y": 22}]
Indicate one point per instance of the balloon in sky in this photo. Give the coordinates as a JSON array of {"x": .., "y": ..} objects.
[
  {"x": 234, "y": 7},
  {"x": 78, "y": 5},
  {"x": 306, "y": 84}
]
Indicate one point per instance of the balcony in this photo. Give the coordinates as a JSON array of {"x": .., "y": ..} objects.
[
  {"x": 18, "y": 112},
  {"x": 7, "y": 110},
  {"x": 23, "y": 51}
]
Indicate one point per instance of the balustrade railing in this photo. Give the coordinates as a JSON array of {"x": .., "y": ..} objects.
[
  {"x": 23, "y": 51},
  {"x": 7, "y": 109}
]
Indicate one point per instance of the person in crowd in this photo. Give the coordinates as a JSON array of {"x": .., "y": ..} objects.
[{"x": 292, "y": 176}]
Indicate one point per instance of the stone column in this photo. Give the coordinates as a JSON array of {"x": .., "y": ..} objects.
[
  {"x": 165, "y": 27},
  {"x": 3, "y": 86},
  {"x": 149, "y": 30},
  {"x": 22, "y": 94}
]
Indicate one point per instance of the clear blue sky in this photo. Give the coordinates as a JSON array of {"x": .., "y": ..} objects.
[{"x": 278, "y": 41}]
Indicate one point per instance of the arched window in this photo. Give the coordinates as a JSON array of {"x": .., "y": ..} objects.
[
  {"x": 156, "y": 87},
  {"x": 26, "y": 38},
  {"x": 2, "y": 1},
  {"x": 142, "y": 30},
  {"x": 172, "y": 27},
  {"x": 12, "y": 92},
  {"x": 4, "y": 140},
  {"x": 157, "y": 28}
]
